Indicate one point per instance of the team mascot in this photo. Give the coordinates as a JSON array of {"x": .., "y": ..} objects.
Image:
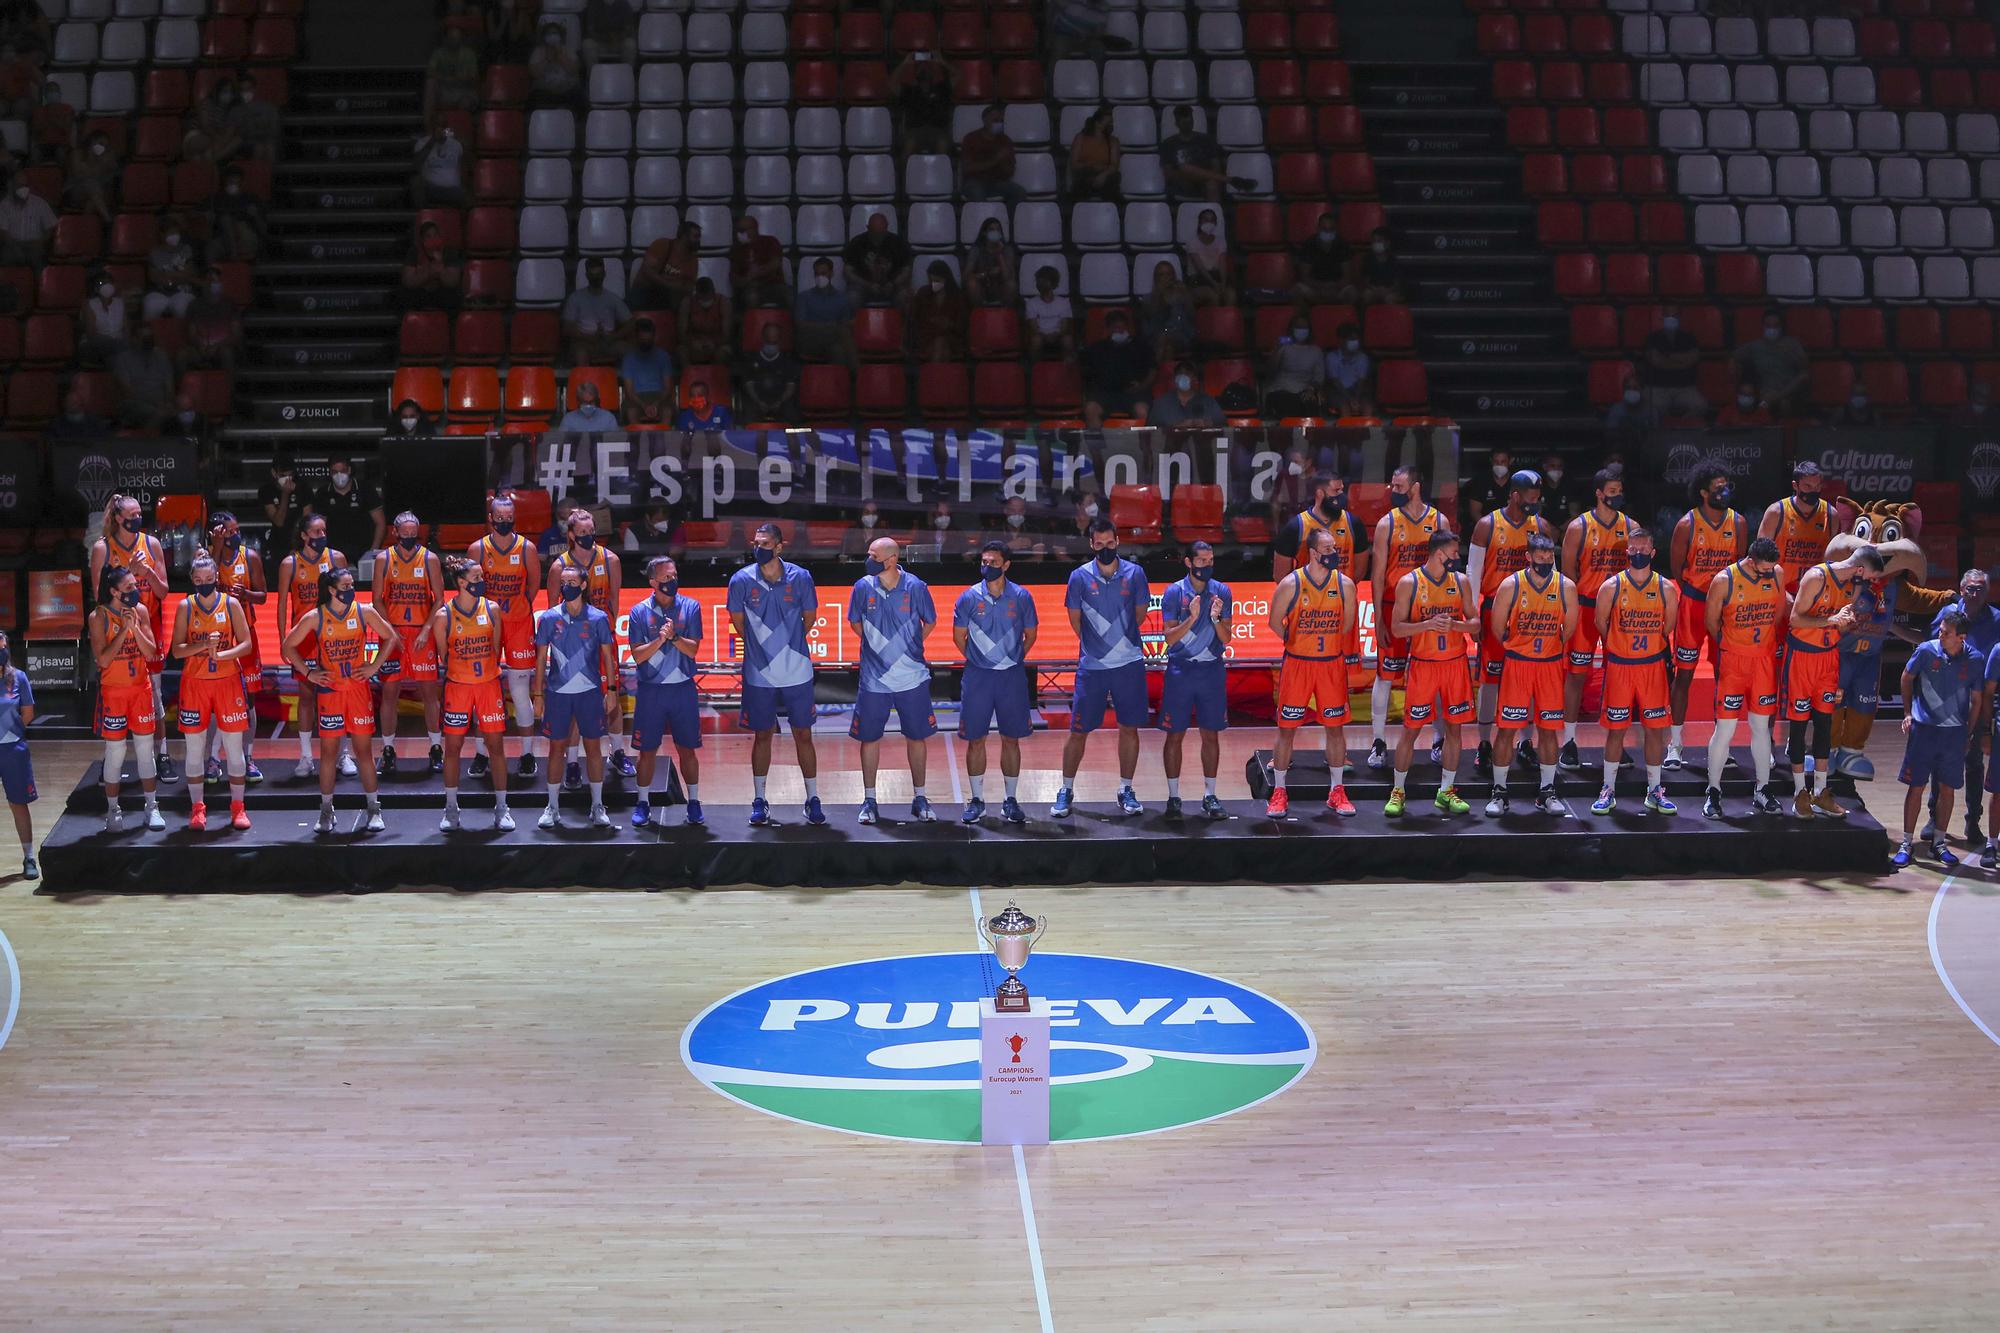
[{"x": 1891, "y": 527}]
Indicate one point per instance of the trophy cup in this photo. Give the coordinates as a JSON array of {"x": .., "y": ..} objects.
[{"x": 1011, "y": 935}]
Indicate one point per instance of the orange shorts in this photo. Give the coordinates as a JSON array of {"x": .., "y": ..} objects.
[
  {"x": 417, "y": 660},
  {"x": 1746, "y": 683},
  {"x": 473, "y": 705},
  {"x": 1392, "y": 656},
  {"x": 1691, "y": 632},
  {"x": 1812, "y": 682},
  {"x": 1583, "y": 643},
  {"x": 1531, "y": 691},
  {"x": 125, "y": 710},
  {"x": 1492, "y": 652},
  {"x": 1312, "y": 689},
  {"x": 517, "y": 643},
  {"x": 348, "y": 707},
  {"x": 1437, "y": 689},
  {"x": 217, "y": 699},
  {"x": 1636, "y": 691}
]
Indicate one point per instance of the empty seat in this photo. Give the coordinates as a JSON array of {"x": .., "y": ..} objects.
[
  {"x": 1946, "y": 278},
  {"x": 1872, "y": 227},
  {"x": 711, "y": 130},
  {"x": 1833, "y": 38},
  {"x": 1807, "y": 86},
  {"x": 606, "y": 180},
  {"x": 1767, "y": 226},
  {"x": 551, "y": 132},
  {"x": 1729, "y": 130},
  {"x": 548, "y": 179},
  {"x": 767, "y": 177},
  {"x": 1709, "y": 85},
  {"x": 1947, "y": 178},
  {"x": 1777, "y": 131},
  {"x": 1831, "y": 130},
  {"x": 608, "y": 131},
  {"x": 1921, "y": 227},
  {"x": 662, "y": 85},
  {"x": 1852, "y": 178},
  {"x": 544, "y": 229},
  {"x": 1797, "y": 177},
  {"x": 1971, "y": 229},
  {"x": 1757, "y": 85},
  {"x": 1817, "y": 227},
  {"x": 612, "y": 84},
  {"x": 1717, "y": 225},
  {"x": 1838, "y": 278},
  {"x": 657, "y": 178},
  {"x": 1894, "y": 278},
  {"x": 1789, "y": 277},
  {"x": 710, "y": 178},
  {"x": 540, "y": 282},
  {"x": 925, "y": 176}
]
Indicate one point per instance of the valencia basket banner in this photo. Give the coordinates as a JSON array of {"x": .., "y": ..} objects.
[{"x": 146, "y": 469}]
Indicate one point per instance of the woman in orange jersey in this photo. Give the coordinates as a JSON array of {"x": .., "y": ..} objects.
[
  {"x": 298, "y": 595},
  {"x": 1746, "y": 608},
  {"x": 1313, "y": 613},
  {"x": 466, "y": 634},
  {"x": 1635, "y": 612},
  {"x": 126, "y": 544},
  {"x": 121, "y": 643},
  {"x": 211, "y": 640},
  {"x": 1823, "y": 612},
  {"x": 1535, "y": 612},
  {"x": 1708, "y": 539},
  {"x": 1435, "y": 612},
  {"x": 409, "y": 584},
  {"x": 340, "y": 669},
  {"x": 241, "y": 574}
]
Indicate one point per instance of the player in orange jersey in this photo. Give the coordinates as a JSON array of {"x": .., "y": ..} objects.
[
  {"x": 1708, "y": 539},
  {"x": 211, "y": 639},
  {"x": 466, "y": 633},
  {"x": 511, "y": 572},
  {"x": 1402, "y": 543},
  {"x": 1635, "y": 612},
  {"x": 1745, "y": 609},
  {"x": 298, "y": 596},
  {"x": 121, "y": 643},
  {"x": 1434, "y": 610},
  {"x": 1801, "y": 524},
  {"x": 409, "y": 584},
  {"x": 241, "y": 573},
  {"x": 1822, "y": 613},
  {"x": 340, "y": 669},
  {"x": 1313, "y": 613},
  {"x": 1500, "y": 551},
  {"x": 1594, "y": 547},
  {"x": 126, "y": 544},
  {"x": 1535, "y": 612}
]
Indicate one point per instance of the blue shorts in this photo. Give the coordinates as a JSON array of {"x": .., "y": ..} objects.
[
  {"x": 1124, "y": 688},
  {"x": 17, "y": 775},
  {"x": 663, "y": 710},
  {"x": 1934, "y": 754},
  {"x": 1861, "y": 683},
  {"x": 912, "y": 708},
  {"x": 584, "y": 708},
  {"x": 988, "y": 698},
  {"x": 1196, "y": 694},
  {"x": 763, "y": 703}
]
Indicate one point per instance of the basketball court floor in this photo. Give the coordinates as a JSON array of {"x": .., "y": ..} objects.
[{"x": 1758, "y": 1104}]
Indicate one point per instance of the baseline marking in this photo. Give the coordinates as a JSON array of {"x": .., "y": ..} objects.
[
  {"x": 14, "y": 996},
  {"x": 1937, "y": 963}
]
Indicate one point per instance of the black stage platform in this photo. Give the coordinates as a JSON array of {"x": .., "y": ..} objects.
[{"x": 1306, "y": 777}]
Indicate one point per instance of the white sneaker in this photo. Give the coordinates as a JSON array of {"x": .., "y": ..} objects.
[
  {"x": 154, "y": 819},
  {"x": 600, "y": 817},
  {"x": 1497, "y": 806},
  {"x": 347, "y": 768},
  {"x": 448, "y": 822},
  {"x": 548, "y": 819},
  {"x": 308, "y": 767},
  {"x": 1673, "y": 759},
  {"x": 375, "y": 824},
  {"x": 325, "y": 824},
  {"x": 503, "y": 819},
  {"x": 114, "y": 819}
]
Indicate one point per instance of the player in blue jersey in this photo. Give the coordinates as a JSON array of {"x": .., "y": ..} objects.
[
  {"x": 994, "y": 625},
  {"x": 772, "y": 603},
  {"x": 1107, "y": 598},
  {"x": 576, "y": 654},
  {"x": 1942, "y": 687},
  {"x": 890, "y": 612},
  {"x": 17, "y": 774},
  {"x": 1196, "y": 613},
  {"x": 663, "y": 634}
]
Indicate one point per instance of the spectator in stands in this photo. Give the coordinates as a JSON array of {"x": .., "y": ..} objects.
[
  {"x": 647, "y": 376},
  {"x": 757, "y": 267},
  {"x": 589, "y": 415},
  {"x": 214, "y": 331},
  {"x": 257, "y": 123},
  {"x": 188, "y": 422},
  {"x": 1323, "y": 262},
  {"x": 1559, "y": 498},
  {"x": 27, "y": 27},
  {"x": 823, "y": 319},
  {"x": 990, "y": 267},
  {"x": 26, "y": 223},
  {"x": 90, "y": 180},
  {"x": 701, "y": 414},
  {"x": 170, "y": 272},
  {"x": 1977, "y": 409},
  {"x": 412, "y": 422},
  {"x": 1778, "y": 365},
  {"x": 352, "y": 510},
  {"x": 610, "y": 32},
  {"x": 237, "y": 228},
  {"x": 1166, "y": 314},
  {"x": 923, "y": 85},
  {"x": 594, "y": 319},
  {"x": 706, "y": 324},
  {"x": 1205, "y": 261},
  {"x": 1051, "y": 319},
  {"x": 1377, "y": 276},
  {"x": 52, "y": 127},
  {"x": 1483, "y": 495},
  {"x": 284, "y": 506},
  {"x": 1117, "y": 373},
  {"x": 554, "y": 76},
  {"x": 77, "y": 422},
  {"x": 769, "y": 380},
  {"x": 440, "y": 157},
  {"x": 1631, "y": 413},
  {"x": 986, "y": 160},
  {"x": 1668, "y": 362},
  {"x": 665, "y": 273},
  {"x": 937, "y": 317},
  {"x": 1186, "y": 405},
  {"x": 1094, "y": 155},
  {"x": 878, "y": 264},
  {"x": 431, "y": 273},
  {"x": 1193, "y": 162},
  {"x": 1294, "y": 377},
  {"x": 211, "y": 128},
  {"x": 1084, "y": 509},
  {"x": 1857, "y": 411},
  {"x": 145, "y": 379},
  {"x": 1349, "y": 386},
  {"x": 19, "y": 78},
  {"x": 1748, "y": 410},
  {"x": 102, "y": 324},
  {"x": 451, "y": 79}
]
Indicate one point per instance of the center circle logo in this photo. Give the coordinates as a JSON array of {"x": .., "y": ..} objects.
[{"x": 889, "y": 1047}]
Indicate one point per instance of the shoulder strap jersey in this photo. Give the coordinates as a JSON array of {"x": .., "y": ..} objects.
[
  {"x": 1829, "y": 599},
  {"x": 407, "y": 589},
  {"x": 200, "y": 624},
  {"x": 1750, "y": 617},
  {"x": 127, "y": 665},
  {"x": 1638, "y": 630},
  {"x": 507, "y": 576},
  {"x": 1802, "y": 537},
  {"x": 1317, "y": 615},
  {"x": 472, "y": 642},
  {"x": 343, "y": 641},
  {"x": 1428, "y": 597},
  {"x": 1506, "y": 551},
  {"x": 1712, "y": 548},
  {"x": 1601, "y": 553},
  {"x": 1409, "y": 543},
  {"x": 305, "y": 582},
  {"x": 1535, "y": 627}
]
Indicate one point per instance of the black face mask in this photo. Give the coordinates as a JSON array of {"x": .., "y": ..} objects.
[
  {"x": 571, "y": 592},
  {"x": 1531, "y": 507},
  {"x": 1399, "y": 498},
  {"x": 1107, "y": 556},
  {"x": 1719, "y": 496},
  {"x": 316, "y": 545},
  {"x": 505, "y": 529},
  {"x": 667, "y": 588},
  {"x": 409, "y": 544},
  {"x": 204, "y": 590},
  {"x": 135, "y": 525},
  {"x": 1331, "y": 560},
  {"x": 476, "y": 589},
  {"x": 1332, "y": 505},
  {"x": 1615, "y": 503},
  {"x": 1808, "y": 499},
  {"x": 1542, "y": 568},
  {"x": 586, "y": 542},
  {"x": 1201, "y": 573},
  {"x": 1639, "y": 561},
  {"x": 992, "y": 573},
  {"x": 762, "y": 555},
  {"x": 342, "y": 600}
]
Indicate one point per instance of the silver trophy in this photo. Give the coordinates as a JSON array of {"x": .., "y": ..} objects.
[{"x": 1012, "y": 935}]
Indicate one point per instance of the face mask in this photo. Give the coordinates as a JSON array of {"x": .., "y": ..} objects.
[
  {"x": 1207, "y": 233},
  {"x": 1379, "y": 248},
  {"x": 247, "y": 96},
  {"x": 1531, "y": 507},
  {"x": 1638, "y": 561},
  {"x": 130, "y": 597},
  {"x": 666, "y": 588},
  {"x": 233, "y": 542},
  {"x": 409, "y": 423},
  {"x": 504, "y": 529},
  {"x": 1332, "y": 505},
  {"x": 187, "y": 418},
  {"x": 1670, "y": 323},
  {"x": 342, "y": 480},
  {"x": 822, "y": 281},
  {"x": 315, "y": 545},
  {"x": 1107, "y": 556},
  {"x": 135, "y": 525},
  {"x": 1501, "y": 470},
  {"x": 572, "y": 592},
  {"x": 1719, "y": 496},
  {"x": 204, "y": 589},
  {"x": 173, "y": 240},
  {"x": 1295, "y": 468},
  {"x": 1200, "y": 573},
  {"x": 942, "y": 521},
  {"x": 743, "y": 236},
  {"x": 1771, "y": 334},
  {"x": 343, "y": 598},
  {"x": 97, "y": 150},
  {"x": 1183, "y": 382},
  {"x": 872, "y": 566},
  {"x": 408, "y": 544},
  {"x": 699, "y": 406},
  {"x": 1331, "y": 560},
  {"x": 22, "y": 192},
  {"x": 1858, "y": 401},
  {"x": 477, "y": 588},
  {"x": 1746, "y": 401},
  {"x": 1808, "y": 499},
  {"x": 770, "y": 353},
  {"x": 1016, "y": 520},
  {"x": 869, "y": 520},
  {"x": 1542, "y": 568},
  {"x": 1327, "y": 236},
  {"x": 586, "y": 542},
  {"x": 1302, "y": 335},
  {"x": 1121, "y": 337},
  {"x": 1615, "y": 503},
  {"x": 992, "y": 573},
  {"x": 991, "y": 237},
  {"x": 762, "y": 555},
  {"x": 232, "y": 188},
  {"x": 1631, "y": 397},
  {"x": 1399, "y": 498}
]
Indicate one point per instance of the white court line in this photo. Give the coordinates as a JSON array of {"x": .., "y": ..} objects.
[
  {"x": 951, "y": 766},
  {"x": 14, "y": 996},
  {"x": 1937, "y": 903}
]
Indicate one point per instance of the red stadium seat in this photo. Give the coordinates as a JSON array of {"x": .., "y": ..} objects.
[
  {"x": 861, "y": 33},
  {"x": 944, "y": 391},
  {"x": 815, "y": 82},
  {"x": 913, "y": 31},
  {"x": 133, "y": 235},
  {"x": 1561, "y": 81},
  {"x": 999, "y": 390},
  {"x": 826, "y": 392},
  {"x": 1513, "y": 81},
  {"x": 1545, "y": 174},
  {"x": 48, "y": 340},
  {"x": 1578, "y": 275},
  {"x": 99, "y": 392},
  {"x": 156, "y": 139},
  {"x": 60, "y": 287},
  {"x": 1899, "y": 86},
  {"x": 1613, "y": 223},
  {"x": 1643, "y": 174},
  {"x": 1739, "y": 277},
  {"x": 1351, "y": 175},
  {"x": 474, "y": 393},
  {"x": 1593, "y": 328},
  {"x": 1545, "y": 35},
  {"x": 1941, "y": 384},
  {"x": 1289, "y": 126},
  {"x": 1627, "y": 127},
  {"x": 1593, "y": 174},
  {"x": 425, "y": 384},
  {"x": 534, "y": 337},
  {"x": 756, "y": 321},
  {"x": 1663, "y": 223},
  {"x": 531, "y": 395},
  {"x": 1888, "y": 383},
  {"x": 488, "y": 282},
  {"x": 812, "y": 34},
  {"x": 1402, "y": 386},
  {"x": 1609, "y": 82},
  {"x": 1018, "y": 81},
  {"x": 1497, "y": 34},
  {"x": 606, "y": 380},
  {"x": 1862, "y": 330},
  {"x": 1592, "y": 35},
  {"x": 506, "y": 85},
  {"x": 1219, "y": 374},
  {"x": 425, "y": 338},
  {"x": 214, "y": 392},
  {"x": 1327, "y": 322},
  {"x": 1012, "y": 33},
  {"x": 1578, "y": 127},
  {"x": 1919, "y": 331},
  {"x": 1220, "y": 328},
  {"x": 1056, "y": 388},
  {"x": 993, "y": 333},
  {"x": 878, "y": 333},
  {"x": 480, "y": 337},
  {"x": 1968, "y": 329},
  {"x": 1197, "y": 513},
  {"x": 78, "y": 236},
  {"x": 962, "y": 33},
  {"x": 1301, "y": 176},
  {"x": 496, "y": 181},
  {"x": 1137, "y": 512},
  {"x": 1278, "y": 81},
  {"x": 864, "y": 83},
  {"x": 1267, "y": 34},
  {"x": 882, "y": 390},
  {"x": 274, "y": 40},
  {"x": 1339, "y": 126},
  {"x": 501, "y": 132},
  {"x": 1974, "y": 40},
  {"x": 1628, "y": 275},
  {"x": 489, "y": 230},
  {"x": 166, "y": 90},
  {"x": 1330, "y": 80},
  {"x": 1388, "y": 328},
  {"x": 1681, "y": 275},
  {"x": 1317, "y": 34},
  {"x": 225, "y": 41},
  {"x": 1559, "y": 222},
  {"x": 1878, "y": 39},
  {"x": 1832, "y": 382},
  {"x": 1528, "y": 127},
  {"x": 32, "y": 399},
  {"x": 1607, "y": 381},
  {"x": 1269, "y": 275},
  {"x": 974, "y": 85}
]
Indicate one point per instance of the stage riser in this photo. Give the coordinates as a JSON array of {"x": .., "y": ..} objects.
[{"x": 1306, "y": 778}]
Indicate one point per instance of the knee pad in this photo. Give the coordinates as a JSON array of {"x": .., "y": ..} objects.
[{"x": 149, "y": 765}]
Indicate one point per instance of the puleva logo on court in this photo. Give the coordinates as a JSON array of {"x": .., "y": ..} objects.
[{"x": 890, "y": 1047}]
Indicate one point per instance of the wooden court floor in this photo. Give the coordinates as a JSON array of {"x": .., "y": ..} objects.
[{"x": 1760, "y": 1104}]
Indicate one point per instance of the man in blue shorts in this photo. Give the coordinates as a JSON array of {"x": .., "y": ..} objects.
[
  {"x": 890, "y": 612},
  {"x": 772, "y": 602},
  {"x": 17, "y": 774},
  {"x": 994, "y": 625},
  {"x": 575, "y": 653},
  {"x": 1982, "y": 636},
  {"x": 1107, "y": 598},
  {"x": 1941, "y": 688},
  {"x": 1195, "y": 612},
  {"x": 663, "y": 634}
]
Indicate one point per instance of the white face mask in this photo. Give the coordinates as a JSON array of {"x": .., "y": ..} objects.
[
  {"x": 1500, "y": 470},
  {"x": 232, "y": 188},
  {"x": 1016, "y": 520},
  {"x": 1121, "y": 337},
  {"x": 991, "y": 236},
  {"x": 942, "y": 521},
  {"x": 822, "y": 281},
  {"x": 409, "y": 423},
  {"x": 1771, "y": 334},
  {"x": 342, "y": 480},
  {"x": 22, "y": 192},
  {"x": 1670, "y": 323},
  {"x": 98, "y": 149},
  {"x": 173, "y": 240},
  {"x": 1631, "y": 396},
  {"x": 868, "y": 520},
  {"x": 1380, "y": 248},
  {"x": 1295, "y": 469},
  {"x": 1554, "y": 474},
  {"x": 1207, "y": 233},
  {"x": 1090, "y": 509},
  {"x": 1328, "y": 235},
  {"x": 247, "y": 96},
  {"x": 1184, "y": 382},
  {"x": 1302, "y": 335},
  {"x": 1353, "y": 344}
]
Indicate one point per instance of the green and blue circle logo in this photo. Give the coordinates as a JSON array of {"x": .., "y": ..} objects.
[{"x": 890, "y": 1047}]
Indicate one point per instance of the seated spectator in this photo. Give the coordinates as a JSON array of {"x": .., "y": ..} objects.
[
  {"x": 1857, "y": 411},
  {"x": 1322, "y": 261},
  {"x": 211, "y": 127},
  {"x": 986, "y": 161},
  {"x": 1297, "y": 370},
  {"x": 700, "y": 413},
  {"x": 1014, "y": 526},
  {"x": 170, "y": 272},
  {"x": 90, "y": 180},
  {"x": 145, "y": 380},
  {"x": 213, "y": 329},
  {"x": 769, "y": 380},
  {"x": 102, "y": 324},
  {"x": 1631, "y": 412},
  {"x": 706, "y": 325},
  {"x": 1349, "y": 385},
  {"x": 1075, "y": 535},
  {"x": 1748, "y": 410},
  {"x": 1094, "y": 156},
  {"x": 19, "y": 78},
  {"x": 76, "y": 423},
  {"x": 431, "y": 273},
  {"x": 1205, "y": 261},
  {"x": 1193, "y": 162},
  {"x": 588, "y": 416},
  {"x": 26, "y": 223},
  {"x": 1777, "y": 364},
  {"x": 1376, "y": 274},
  {"x": 1050, "y": 319},
  {"x": 52, "y": 127},
  {"x": 665, "y": 273},
  {"x": 1977, "y": 409},
  {"x": 1668, "y": 362},
  {"x": 878, "y": 264},
  {"x": 923, "y": 100},
  {"x": 757, "y": 267},
  {"x": 237, "y": 228},
  {"x": 868, "y": 525},
  {"x": 594, "y": 319},
  {"x": 1185, "y": 405},
  {"x": 187, "y": 422},
  {"x": 823, "y": 319},
  {"x": 937, "y": 317},
  {"x": 555, "y": 78},
  {"x": 1166, "y": 314},
  {"x": 1117, "y": 373},
  {"x": 451, "y": 78},
  {"x": 412, "y": 422},
  {"x": 1559, "y": 498},
  {"x": 257, "y": 124},
  {"x": 610, "y": 32},
  {"x": 440, "y": 158},
  {"x": 647, "y": 377},
  {"x": 990, "y": 267}
]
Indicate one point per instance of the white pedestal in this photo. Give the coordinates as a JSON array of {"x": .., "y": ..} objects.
[{"x": 1014, "y": 1074}]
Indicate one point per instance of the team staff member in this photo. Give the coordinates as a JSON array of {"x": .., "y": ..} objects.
[
  {"x": 17, "y": 770},
  {"x": 1500, "y": 551},
  {"x": 340, "y": 670},
  {"x": 1402, "y": 543},
  {"x": 1107, "y": 598},
  {"x": 1982, "y": 635},
  {"x": 1594, "y": 549},
  {"x": 408, "y": 585},
  {"x": 1801, "y": 524},
  {"x": 510, "y": 571},
  {"x": 212, "y": 641},
  {"x": 1636, "y": 612},
  {"x": 299, "y": 576},
  {"x": 1823, "y": 611},
  {"x": 663, "y": 634},
  {"x": 1745, "y": 609},
  {"x": 1313, "y": 611},
  {"x": 771, "y": 602},
  {"x": 1196, "y": 611},
  {"x": 576, "y": 654},
  {"x": 993, "y": 625},
  {"x": 603, "y": 576},
  {"x": 242, "y": 577},
  {"x": 1941, "y": 682},
  {"x": 891, "y": 613},
  {"x": 121, "y": 643},
  {"x": 1707, "y": 540},
  {"x": 1536, "y": 612},
  {"x": 1435, "y": 611},
  {"x": 466, "y": 635},
  {"x": 126, "y": 545}
]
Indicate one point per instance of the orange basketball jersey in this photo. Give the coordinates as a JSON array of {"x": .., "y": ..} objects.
[
  {"x": 1601, "y": 553},
  {"x": 200, "y": 625},
  {"x": 407, "y": 589},
  {"x": 1409, "y": 546},
  {"x": 507, "y": 577},
  {"x": 1427, "y": 599},
  {"x": 1638, "y": 630},
  {"x": 1830, "y": 598},
  {"x": 1750, "y": 618},
  {"x": 343, "y": 641},
  {"x": 305, "y": 584},
  {"x": 1317, "y": 616},
  {"x": 1535, "y": 629},
  {"x": 472, "y": 643},
  {"x": 1712, "y": 548},
  {"x": 1802, "y": 538},
  {"x": 127, "y": 666},
  {"x": 1343, "y": 529}
]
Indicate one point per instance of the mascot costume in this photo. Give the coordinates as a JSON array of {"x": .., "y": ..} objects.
[{"x": 1891, "y": 527}]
